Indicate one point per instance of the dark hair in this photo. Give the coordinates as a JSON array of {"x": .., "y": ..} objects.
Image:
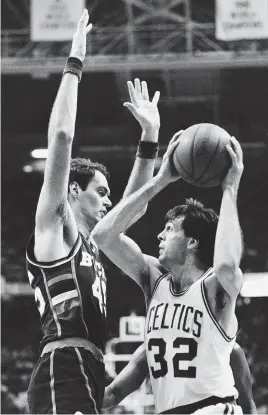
[
  {"x": 199, "y": 223},
  {"x": 83, "y": 170}
]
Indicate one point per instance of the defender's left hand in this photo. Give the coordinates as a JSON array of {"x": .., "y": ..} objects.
[
  {"x": 234, "y": 174},
  {"x": 144, "y": 110}
]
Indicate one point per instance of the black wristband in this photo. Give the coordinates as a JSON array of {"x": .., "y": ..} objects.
[
  {"x": 147, "y": 150},
  {"x": 74, "y": 66}
]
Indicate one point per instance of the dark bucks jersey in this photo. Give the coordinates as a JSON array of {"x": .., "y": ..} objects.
[{"x": 70, "y": 293}]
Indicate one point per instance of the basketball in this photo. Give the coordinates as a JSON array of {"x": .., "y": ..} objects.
[{"x": 201, "y": 157}]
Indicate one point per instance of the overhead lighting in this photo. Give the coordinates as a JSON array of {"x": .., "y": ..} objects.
[
  {"x": 27, "y": 168},
  {"x": 34, "y": 166},
  {"x": 39, "y": 153}
]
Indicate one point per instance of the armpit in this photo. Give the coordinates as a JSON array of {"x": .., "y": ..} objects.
[
  {"x": 221, "y": 299},
  {"x": 62, "y": 212}
]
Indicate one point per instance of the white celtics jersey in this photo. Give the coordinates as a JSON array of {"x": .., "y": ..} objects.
[{"x": 188, "y": 352}]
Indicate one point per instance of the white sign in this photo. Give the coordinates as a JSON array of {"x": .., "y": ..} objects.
[
  {"x": 55, "y": 20},
  {"x": 131, "y": 328},
  {"x": 241, "y": 19}
]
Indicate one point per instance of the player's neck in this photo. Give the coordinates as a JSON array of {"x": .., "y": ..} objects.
[
  {"x": 185, "y": 275},
  {"x": 84, "y": 227}
]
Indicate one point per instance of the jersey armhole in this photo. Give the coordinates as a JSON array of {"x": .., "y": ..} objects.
[
  {"x": 213, "y": 318},
  {"x": 157, "y": 282},
  {"x": 31, "y": 257}
]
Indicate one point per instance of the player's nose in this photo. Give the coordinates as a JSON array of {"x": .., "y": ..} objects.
[
  {"x": 160, "y": 236},
  {"x": 107, "y": 202}
]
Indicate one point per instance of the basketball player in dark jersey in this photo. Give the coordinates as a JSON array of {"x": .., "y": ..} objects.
[
  {"x": 136, "y": 371},
  {"x": 63, "y": 262}
]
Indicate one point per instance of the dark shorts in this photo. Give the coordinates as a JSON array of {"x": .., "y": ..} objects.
[{"x": 67, "y": 380}]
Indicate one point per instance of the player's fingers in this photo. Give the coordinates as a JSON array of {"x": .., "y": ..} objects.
[
  {"x": 138, "y": 88},
  {"x": 231, "y": 153},
  {"x": 173, "y": 145},
  {"x": 144, "y": 91},
  {"x": 156, "y": 98},
  {"x": 132, "y": 92},
  {"x": 237, "y": 147},
  {"x": 175, "y": 137},
  {"x": 88, "y": 28},
  {"x": 83, "y": 20},
  {"x": 131, "y": 108}
]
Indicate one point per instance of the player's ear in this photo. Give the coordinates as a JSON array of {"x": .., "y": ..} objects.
[
  {"x": 193, "y": 243},
  {"x": 74, "y": 189}
]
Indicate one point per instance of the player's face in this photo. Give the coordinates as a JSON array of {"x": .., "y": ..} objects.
[
  {"x": 94, "y": 201},
  {"x": 173, "y": 244}
]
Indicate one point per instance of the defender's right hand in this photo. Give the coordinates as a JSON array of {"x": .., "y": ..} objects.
[{"x": 80, "y": 37}]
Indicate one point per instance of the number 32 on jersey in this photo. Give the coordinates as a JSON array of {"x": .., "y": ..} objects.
[{"x": 161, "y": 363}]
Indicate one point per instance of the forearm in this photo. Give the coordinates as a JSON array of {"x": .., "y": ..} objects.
[
  {"x": 118, "y": 390},
  {"x": 111, "y": 398},
  {"x": 228, "y": 243},
  {"x": 128, "y": 380},
  {"x": 143, "y": 168},
  {"x": 63, "y": 115},
  {"x": 242, "y": 378},
  {"x": 119, "y": 218}
]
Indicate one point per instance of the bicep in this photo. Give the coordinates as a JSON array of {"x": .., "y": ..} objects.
[
  {"x": 230, "y": 279},
  {"x": 52, "y": 203},
  {"x": 127, "y": 256}
]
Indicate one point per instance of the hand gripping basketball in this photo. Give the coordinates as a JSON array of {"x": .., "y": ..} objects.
[
  {"x": 167, "y": 169},
  {"x": 234, "y": 174},
  {"x": 201, "y": 157}
]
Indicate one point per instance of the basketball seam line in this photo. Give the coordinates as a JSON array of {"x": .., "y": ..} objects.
[
  {"x": 211, "y": 159},
  {"x": 192, "y": 152},
  {"x": 183, "y": 168}
]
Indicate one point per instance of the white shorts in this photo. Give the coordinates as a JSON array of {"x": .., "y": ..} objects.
[{"x": 220, "y": 408}]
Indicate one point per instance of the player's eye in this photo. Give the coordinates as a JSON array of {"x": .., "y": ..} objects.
[{"x": 101, "y": 192}]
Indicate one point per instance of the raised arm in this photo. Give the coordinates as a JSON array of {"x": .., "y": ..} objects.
[
  {"x": 128, "y": 380},
  {"x": 229, "y": 243},
  {"x": 51, "y": 211},
  {"x": 118, "y": 219},
  {"x": 146, "y": 113},
  {"x": 242, "y": 378},
  {"x": 121, "y": 250}
]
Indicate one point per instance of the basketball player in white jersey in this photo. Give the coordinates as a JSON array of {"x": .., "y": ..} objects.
[
  {"x": 191, "y": 289},
  {"x": 136, "y": 371}
]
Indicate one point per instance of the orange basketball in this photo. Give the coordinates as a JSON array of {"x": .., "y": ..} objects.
[{"x": 201, "y": 157}]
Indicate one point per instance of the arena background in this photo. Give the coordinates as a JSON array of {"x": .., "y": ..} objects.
[{"x": 171, "y": 44}]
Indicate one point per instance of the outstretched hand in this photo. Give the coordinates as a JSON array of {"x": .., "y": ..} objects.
[
  {"x": 144, "y": 110},
  {"x": 80, "y": 37},
  {"x": 234, "y": 174},
  {"x": 167, "y": 169}
]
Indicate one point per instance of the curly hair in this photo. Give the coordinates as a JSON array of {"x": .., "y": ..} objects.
[
  {"x": 82, "y": 170},
  {"x": 199, "y": 223}
]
